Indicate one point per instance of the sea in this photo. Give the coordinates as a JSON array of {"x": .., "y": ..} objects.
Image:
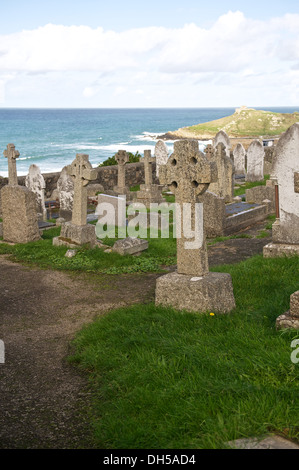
[{"x": 51, "y": 138}]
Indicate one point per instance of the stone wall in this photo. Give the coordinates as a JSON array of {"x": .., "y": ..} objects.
[{"x": 107, "y": 176}]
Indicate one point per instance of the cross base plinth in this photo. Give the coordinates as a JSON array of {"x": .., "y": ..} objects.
[
  {"x": 287, "y": 321},
  {"x": 76, "y": 235},
  {"x": 280, "y": 250},
  {"x": 149, "y": 195},
  {"x": 210, "y": 293}
]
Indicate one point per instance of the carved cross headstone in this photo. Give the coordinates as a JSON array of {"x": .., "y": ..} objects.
[
  {"x": 148, "y": 175},
  {"x": 209, "y": 151},
  {"x": 81, "y": 172},
  {"x": 122, "y": 158},
  {"x": 188, "y": 174},
  {"x": 11, "y": 154}
]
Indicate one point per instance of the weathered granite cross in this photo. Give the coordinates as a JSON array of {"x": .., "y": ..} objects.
[
  {"x": 188, "y": 174},
  {"x": 81, "y": 172},
  {"x": 209, "y": 151},
  {"x": 11, "y": 154},
  {"x": 296, "y": 182},
  {"x": 148, "y": 174},
  {"x": 122, "y": 158}
]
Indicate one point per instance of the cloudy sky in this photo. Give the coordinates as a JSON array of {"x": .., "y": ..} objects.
[{"x": 95, "y": 53}]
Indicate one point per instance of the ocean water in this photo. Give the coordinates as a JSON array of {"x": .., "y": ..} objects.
[{"x": 50, "y": 138}]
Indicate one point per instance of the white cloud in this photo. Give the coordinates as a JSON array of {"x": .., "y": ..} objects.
[{"x": 234, "y": 49}]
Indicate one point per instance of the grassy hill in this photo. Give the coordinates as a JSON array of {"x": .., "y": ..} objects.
[{"x": 245, "y": 122}]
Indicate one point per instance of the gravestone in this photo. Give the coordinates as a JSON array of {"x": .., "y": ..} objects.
[
  {"x": 111, "y": 210},
  {"x": 19, "y": 213},
  {"x": 149, "y": 192},
  {"x": 36, "y": 183},
  {"x": 189, "y": 173},
  {"x": 239, "y": 159},
  {"x": 65, "y": 187},
  {"x": 255, "y": 161},
  {"x": 222, "y": 137},
  {"x": 224, "y": 186},
  {"x": 161, "y": 154},
  {"x": 285, "y": 230},
  {"x": 290, "y": 319},
  {"x": 122, "y": 158},
  {"x": 209, "y": 151},
  {"x": 130, "y": 246},
  {"x": 78, "y": 232}
]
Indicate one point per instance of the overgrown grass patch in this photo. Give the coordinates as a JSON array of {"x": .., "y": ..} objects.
[
  {"x": 165, "y": 379},
  {"x": 250, "y": 184}
]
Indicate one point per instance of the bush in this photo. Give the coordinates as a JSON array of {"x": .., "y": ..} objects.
[{"x": 112, "y": 161}]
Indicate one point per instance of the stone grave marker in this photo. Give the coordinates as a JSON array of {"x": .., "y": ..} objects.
[
  {"x": 285, "y": 230},
  {"x": 78, "y": 232},
  {"x": 189, "y": 173},
  {"x": 239, "y": 159},
  {"x": 290, "y": 319},
  {"x": 122, "y": 158},
  {"x": 222, "y": 137},
  {"x": 161, "y": 154},
  {"x": 224, "y": 186},
  {"x": 36, "y": 183},
  {"x": 255, "y": 161},
  {"x": 19, "y": 213},
  {"x": 65, "y": 187},
  {"x": 149, "y": 192}
]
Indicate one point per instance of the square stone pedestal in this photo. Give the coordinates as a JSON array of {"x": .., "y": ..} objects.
[
  {"x": 210, "y": 293},
  {"x": 19, "y": 215},
  {"x": 276, "y": 250},
  {"x": 73, "y": 235}
]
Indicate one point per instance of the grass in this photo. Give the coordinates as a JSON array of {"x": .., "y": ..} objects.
[
  {"x": 163, "y": 379},
  {"x": 250, "y": 184},
  {"x": 42, "y": 253},
  {"x": 249, "y": 122}
]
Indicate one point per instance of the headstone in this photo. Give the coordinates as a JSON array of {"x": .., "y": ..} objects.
[
  {"x": 209, "y": 151},
  {"x": 224, "y": 186},
  {"x": 122, "y": 158},
  {"x": 255, "y": 161},
  {"x": 149, "y": 192},
  {"x": 130, "y": 246},
  {"x": 239, "y": 159},
  {"x": 78, "y": 232},
  {"x": 188, "y": 173},
  {"x": 110, "y": 209},
  {"x": 65, "y": 187},
  {"x": 161, "y": 154},
  {"x": 290, "y": 319},
  {"x": 19, "y": 213},
  {"x": 222, "y": 137},
  {"x": 36, "y": 183},
  {"x": 285, "y": 230},
  {"x": 11, "y": 154}
]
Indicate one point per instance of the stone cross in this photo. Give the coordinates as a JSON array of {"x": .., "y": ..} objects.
[
  {"x": 11, "y": 154},
  {"x": 209, "y": 151},
  {"x": 81, "y": 172},
  {"x": 148, "y": 174},
  {"x": 188, "y": 174},
  {"x": 122, "y": 158}
]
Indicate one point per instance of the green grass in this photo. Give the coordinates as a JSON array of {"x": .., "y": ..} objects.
[
  {"x": 42, "y": 253},
  {"x": 249, "y": 122},
  {"x": 164, "y": 379},
  {"x": 250, "y": 184}
]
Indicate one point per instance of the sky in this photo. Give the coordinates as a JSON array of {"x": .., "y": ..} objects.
[{"x": 99, "y": 54}]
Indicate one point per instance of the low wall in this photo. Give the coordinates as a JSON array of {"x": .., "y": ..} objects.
[{"x": 107, "y": 176}]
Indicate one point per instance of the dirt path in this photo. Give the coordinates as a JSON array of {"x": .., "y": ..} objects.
[{"x": 44, "y": 400}]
